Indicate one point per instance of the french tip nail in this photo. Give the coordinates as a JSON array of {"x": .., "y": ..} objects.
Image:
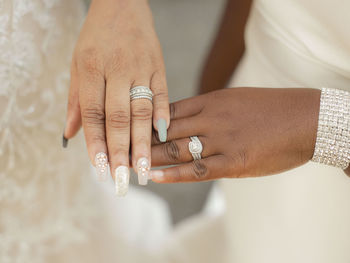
[
  {"x": 122, "y": 177},
  {"x": 64, "y": 141},
  {"x": 162, "y": 130},
  {"x": 143, "y": 168}
]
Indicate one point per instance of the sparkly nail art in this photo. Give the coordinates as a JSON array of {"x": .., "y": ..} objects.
[
  {"x": 143, "y": 168},
  {"x": 121, "y": 180},
  {"x": 101, "y": 166}
]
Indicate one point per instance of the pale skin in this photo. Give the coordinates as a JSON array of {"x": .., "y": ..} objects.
[
  {"x": 244, "y": 131},
  {"x": 117, "y": 49}
]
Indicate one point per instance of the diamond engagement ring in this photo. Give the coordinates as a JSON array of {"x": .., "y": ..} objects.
[
  {"x": 195, "y": 146},
  {"x": 141, "y": 92}
]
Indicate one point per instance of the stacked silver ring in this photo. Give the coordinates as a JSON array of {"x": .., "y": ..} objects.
[
  {"x": 141, "y": 92},
  {"x": 195, "y": 147}
]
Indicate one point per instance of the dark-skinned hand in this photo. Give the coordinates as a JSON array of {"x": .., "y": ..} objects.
[{"x": 245, "y": 132}]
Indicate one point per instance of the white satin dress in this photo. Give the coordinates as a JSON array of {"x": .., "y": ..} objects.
[{"x": 302, "y": 215}]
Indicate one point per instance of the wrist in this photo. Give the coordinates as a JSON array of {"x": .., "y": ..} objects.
[
  {"x": 333, "y": 132},
  {"x": 312, "y": 120}
]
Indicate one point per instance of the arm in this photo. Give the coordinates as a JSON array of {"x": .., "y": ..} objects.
[
  {"x": 251, "y": 132},
  {"x": 227, "y": 48}
]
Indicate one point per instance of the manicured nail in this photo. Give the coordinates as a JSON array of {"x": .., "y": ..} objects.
[
  {"x": 122, "y": 175},
  {"x": 143, "y": 168},
  {"x": 162, "y": 130},
  {"x": 64, "y": 141},
  {"x": 101, "y": 166},
  {"x": 158, "y": 175}
]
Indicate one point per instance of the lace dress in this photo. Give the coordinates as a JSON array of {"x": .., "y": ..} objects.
[
  {"x": 47, "y": 201},
  {"x": 51, "y": 208}
]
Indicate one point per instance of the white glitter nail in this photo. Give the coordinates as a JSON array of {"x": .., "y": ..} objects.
[{"x": 121, "y": 175}]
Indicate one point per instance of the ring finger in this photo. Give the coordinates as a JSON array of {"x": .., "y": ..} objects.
[
  {"x": 177, "y": 151},
  {"x": 141, "y": 132}
]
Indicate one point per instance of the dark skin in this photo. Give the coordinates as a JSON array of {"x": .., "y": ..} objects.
[
  {"x": 245, "y": 132},
  {"x": 252, "y": 132},
  {"x": 227, "y": 48}
]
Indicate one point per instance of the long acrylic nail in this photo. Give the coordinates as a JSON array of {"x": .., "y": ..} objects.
[
  {"x": 122, "y": 175},
  {"x": 101, "y": 166},
  {"x": 162, "y": 129},
  {"x": 64, "y": 141},
  {"x": 143, "y": 168}
]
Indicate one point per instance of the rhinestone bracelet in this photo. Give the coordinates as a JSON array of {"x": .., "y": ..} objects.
[{"x": 333, "y": 131}]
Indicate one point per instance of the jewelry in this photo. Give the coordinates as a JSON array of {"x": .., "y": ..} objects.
[
  {"x": 141, "y": 92},
  {"x": 195, "y": 146},
  {"x": 333, "y": 131}
]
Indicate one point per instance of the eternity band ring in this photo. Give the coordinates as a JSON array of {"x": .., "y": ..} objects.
[
  {"x": 195, "y": 146},
  {"x": 141, "y": 92}
]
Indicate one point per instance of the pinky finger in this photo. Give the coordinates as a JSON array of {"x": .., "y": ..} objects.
[
  {"x": 213, "y": 167},
  {"x": 161, "y": 113},
  {"x": 73, "y": 119}
]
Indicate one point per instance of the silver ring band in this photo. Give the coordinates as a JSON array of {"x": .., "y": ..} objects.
[
  {"x": 141, "y": 92},
  {"x": 195, "y": 147}
]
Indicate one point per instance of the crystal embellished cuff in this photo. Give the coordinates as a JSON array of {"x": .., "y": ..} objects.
[{"x": 333, "y": 131}]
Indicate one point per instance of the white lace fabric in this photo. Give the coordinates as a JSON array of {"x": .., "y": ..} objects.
[{"x": 36, "y": 42}]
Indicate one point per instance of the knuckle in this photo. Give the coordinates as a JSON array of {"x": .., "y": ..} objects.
[
  {"x": 141, "y": 112},
  {"x": 97, "y": 138},
  {"x": 93, "y": 116},
  {"x": 158, "y": 80},
  {"x": 120, "y": 150},
  {"x": 155, "y": 137},
  {"x": 161, "y": 96},
  {"x": 118, "y": 119},
  {"x": 172, "y": 151},
  {"x": 172, "y": 109},
  {"x": 88, "y": 59},
  {"x": 199, "y": 169},
  {"x": 240, "y": 163},
  {"x": 116, "y": 62}
]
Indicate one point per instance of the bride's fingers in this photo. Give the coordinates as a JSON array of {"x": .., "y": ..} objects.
[
  {"x": 210, "y": 168},
  {"x": 92, "y": 103},
  {"x": 161, "y": 115},
  {"x": 177, "y": 151},
  {"x": 141, "y": 132},
  {"x": 118, "y": 129},
  {"x": 73, "y": 119}
]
